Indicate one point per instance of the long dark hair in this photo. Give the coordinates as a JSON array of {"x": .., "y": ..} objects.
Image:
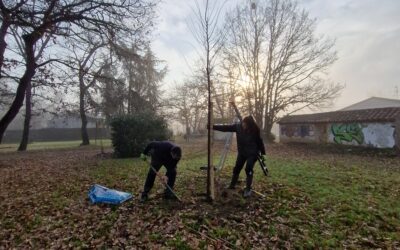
[{"x": 252, "y": 126}]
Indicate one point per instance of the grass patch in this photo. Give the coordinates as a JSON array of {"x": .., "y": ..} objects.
[
  {"x": 178, "y": 243},
  {"x": 311, "y": 201},
  {"x": 52, "y": 145},
  {"x": 344, "y": 199}
]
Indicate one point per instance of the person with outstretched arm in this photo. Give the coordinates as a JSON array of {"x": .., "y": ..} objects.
[
  {"x": 163, "y": 153},
  {"x": 249, "y": 146}
]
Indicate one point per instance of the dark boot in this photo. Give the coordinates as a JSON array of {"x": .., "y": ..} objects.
[
  {"x": 144, "y": 197},
  {"x": 249, "y": 181},
  {"x": 247, "y": 192},
  {"x": 168, "y": 195},
  {"x": 235, "y": 178}
]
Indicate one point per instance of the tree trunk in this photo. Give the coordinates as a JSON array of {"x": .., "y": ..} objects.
[
  {"x": 25, "y": 80},
  {"x": 82, "y": 91},
  {"x": 210, "y": 167},
  {"x": 3, "y": 32},
  {"x": 28, "y": 114},
  {"x": 187, "y": 128},
  {"x": 267, "y": 129},
  {"x": 84, "y": 133}
]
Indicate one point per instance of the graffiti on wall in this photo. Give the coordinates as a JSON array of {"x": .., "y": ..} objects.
[
  {"x": 347, "y": 133},
  {"x": 379, "y": 135}
]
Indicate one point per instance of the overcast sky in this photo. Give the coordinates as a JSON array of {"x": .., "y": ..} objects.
[{"x": 367, "y": 34}]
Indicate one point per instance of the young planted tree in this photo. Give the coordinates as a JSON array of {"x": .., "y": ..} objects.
[
  {"x": 206, "y": 30},
  {"x": 42, "y": 17},
  {"x": 282, "y": 60}
]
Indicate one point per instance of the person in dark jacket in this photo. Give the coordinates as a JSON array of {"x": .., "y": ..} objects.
[
  {"x": 163, "y": 153},
  {"x": 249, "y": 145}
]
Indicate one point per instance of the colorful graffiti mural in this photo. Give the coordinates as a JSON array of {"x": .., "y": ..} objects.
[{"x": 347, "y": 132}]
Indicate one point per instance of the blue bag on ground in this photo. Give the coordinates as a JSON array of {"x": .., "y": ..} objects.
[{"x": 100, "y": 194}]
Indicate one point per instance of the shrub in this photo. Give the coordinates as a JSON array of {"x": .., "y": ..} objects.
[{"x": 131, "y": 133}]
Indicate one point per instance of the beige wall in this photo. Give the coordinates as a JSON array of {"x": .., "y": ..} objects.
[
  {"x": 299, "y": 133},
  {"x": 379, "y": 135}
]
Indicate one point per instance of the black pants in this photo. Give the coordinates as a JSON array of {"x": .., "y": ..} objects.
[
  {"x": 151, "y": 176},
  {"x": 240, "y": 161}
]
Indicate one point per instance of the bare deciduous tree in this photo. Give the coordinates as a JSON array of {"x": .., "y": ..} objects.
[
  {"x": 206, "y": 30},
  {"x": 189, "y": 105},
  {"x": 39, "y": 81},
  {"x": 85, "y": 51},
  {"x": 275, "y": 46},
  {"x": 41, "y": 17}
]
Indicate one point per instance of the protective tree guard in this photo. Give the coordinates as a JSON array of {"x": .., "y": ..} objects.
[{"x": 210, "y": 167}]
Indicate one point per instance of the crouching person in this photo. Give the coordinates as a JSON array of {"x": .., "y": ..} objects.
[{"x": 163, "y": 153}]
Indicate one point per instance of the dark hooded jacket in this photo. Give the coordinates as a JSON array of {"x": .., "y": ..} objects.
[
  {"x": 248, "y": 143},
  {"x": 160, "y": 152}
]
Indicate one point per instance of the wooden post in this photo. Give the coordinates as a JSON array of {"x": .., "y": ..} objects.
[
  {"x": 210, "y": 166},
  {"x": 95, "y": 134},
  {"x": 101, "y": 136},
  {"x": 397, "y": 133}
]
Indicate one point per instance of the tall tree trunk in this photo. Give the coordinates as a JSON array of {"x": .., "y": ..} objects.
[
  {"x": 25, "y": 80},
  {"x": 82, "y": 91},
  {"x": 268, "y": 122},
  {"x": 187, "y": 128},
  {"x": 28, "y": 114},
  {"x": 210, "y": 167},
  {"x": 84, "y": 133},
  {"x": 3, "y": 32}
]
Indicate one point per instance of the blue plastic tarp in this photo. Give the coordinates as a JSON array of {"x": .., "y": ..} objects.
[{"x": 100, "y": 194}]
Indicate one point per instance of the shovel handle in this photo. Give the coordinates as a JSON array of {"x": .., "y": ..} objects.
[{"x": 165, "y": 184}]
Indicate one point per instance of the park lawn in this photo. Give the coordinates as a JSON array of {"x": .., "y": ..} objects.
[
  {"x": 312, "y": 200},
  {"x": 11, "y": 147}
]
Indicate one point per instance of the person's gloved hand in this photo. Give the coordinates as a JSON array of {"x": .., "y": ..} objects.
[
  {"x": 143, "y": 157},
  {"x": 263, "y": 158}
]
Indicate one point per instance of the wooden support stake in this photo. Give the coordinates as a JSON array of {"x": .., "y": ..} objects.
[
  {"x": 210, "y": 167},
  {"x": 397, "y": 132}
]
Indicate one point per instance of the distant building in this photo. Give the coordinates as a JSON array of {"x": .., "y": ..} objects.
[
  {"x": 70, "y": 121},
  {"x": 354, "y": 125},
  {"x": 374, "y": 102},
  {"x": 64, "y": 127}
]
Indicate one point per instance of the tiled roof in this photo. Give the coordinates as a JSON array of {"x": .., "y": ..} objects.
[
  {"x": 373, "y": 102},
  {"x": 364, "y": 115}
]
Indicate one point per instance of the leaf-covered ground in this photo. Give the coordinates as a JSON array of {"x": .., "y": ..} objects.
[{"x": 315, "y": 197}]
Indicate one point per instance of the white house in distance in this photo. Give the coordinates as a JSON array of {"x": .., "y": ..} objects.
[{"x": 369, "y": 123}]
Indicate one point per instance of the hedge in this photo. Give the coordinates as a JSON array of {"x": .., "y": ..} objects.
[{"x": 131, "y": 133}]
